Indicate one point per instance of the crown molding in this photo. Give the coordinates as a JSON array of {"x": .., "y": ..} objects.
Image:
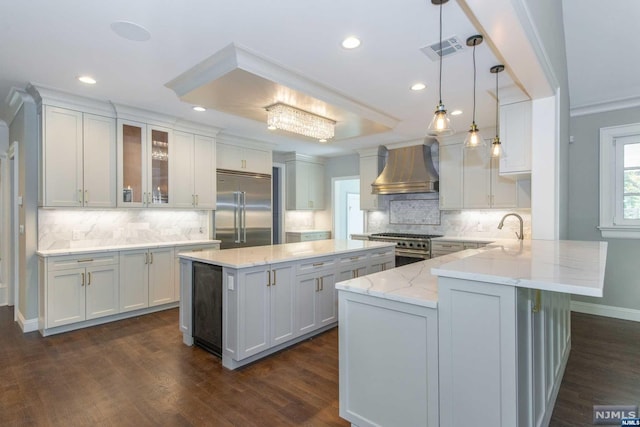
[
  {"x": 227, "y": 138},
  {"x": 15, "y": 100},
  {"x": 44, "y": 95},
  {"x": 605, "y": 106}
]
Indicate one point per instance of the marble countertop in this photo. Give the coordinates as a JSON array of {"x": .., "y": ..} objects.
[
  {"x": 115, "y": 248},
  {"x": 554, "y": 265},
  {"x": 411, "y": 283},
  {"x": 308, "y": 231},
  {"x": 463, "y": 239},
  {"x": 262, "y": 255},
  {"x": 566, "y": 266}
]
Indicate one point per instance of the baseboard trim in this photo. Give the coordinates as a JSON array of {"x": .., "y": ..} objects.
[
  {"x": 606, "y": 310},
  {"x": 29, "y": 325}
]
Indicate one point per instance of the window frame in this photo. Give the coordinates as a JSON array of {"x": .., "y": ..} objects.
[{"x": 612, "y": 224}]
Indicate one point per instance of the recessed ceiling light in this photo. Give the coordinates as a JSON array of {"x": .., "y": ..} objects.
[
  {"x": 418, "y": 86},
  {"x": 456, "y": 112},
  {"x": 199, "y": 108},
  {"x": 351, "y": 42},
  {"x": 131, "y": 31},
  {"x": 87, "y": 79}
]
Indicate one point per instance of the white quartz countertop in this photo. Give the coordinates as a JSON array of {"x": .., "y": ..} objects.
[
  {"x": 308, "y": 231},
  {"x": 411, "y": 283},
  {"x": 262, "y": 255},
  {"x": 573, "y": 267},
  {"x": 463, "y": 239},
  {"x": 115, "y": 248}
]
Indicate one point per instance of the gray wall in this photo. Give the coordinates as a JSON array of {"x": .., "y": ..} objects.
[
  {"x": 622, "y": 276},
  {"x": 335, "y": 167}
]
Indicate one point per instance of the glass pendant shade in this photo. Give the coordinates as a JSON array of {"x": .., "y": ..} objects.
[
  {"x": 496, "y": 147},
  {"x": 440, "y": 124},
  {"x": 474, "y": 139}
]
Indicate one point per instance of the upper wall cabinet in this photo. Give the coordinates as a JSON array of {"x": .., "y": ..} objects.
[
  {"x": 305, "y": 182},
  {"x": 78, "y": 159},
  {"x": 143, "y": 171},
  {"x": 451, "y": 173},
  {"x": 193, "y": 171},
  {"x": 243, "y": 159},
  {"x": 515, "y": 133}
]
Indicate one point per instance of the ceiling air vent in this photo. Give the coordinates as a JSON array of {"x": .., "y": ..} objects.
[{"x": 450, "y": 46}]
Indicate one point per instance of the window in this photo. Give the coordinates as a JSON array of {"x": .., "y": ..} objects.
[{"x": 620, "y": 181}]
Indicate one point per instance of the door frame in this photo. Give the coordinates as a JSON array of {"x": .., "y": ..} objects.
[
  {"x": 282, "y": 189},
  {"x": 333, "y": 201}
]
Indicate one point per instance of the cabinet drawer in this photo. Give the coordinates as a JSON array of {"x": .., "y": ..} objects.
[
  {"x": 74, "y": 261},
  {"x": 197, "y": 248},
  {"x": 353, "y": 257},
  {"x": 447, "y": 246},
  {"x": 387, "y": 252},
  {"x": 316, "y": 264},
  {"x": 435, "y": 254},
  {"x": 471, "y": 245},
  {"x": 321, "y": 235}
]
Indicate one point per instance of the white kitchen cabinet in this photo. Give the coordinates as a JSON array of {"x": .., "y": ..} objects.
[
  {"x": 515, "y": 134},
  {"x": 193, "y": 171},
  {"x": 525, "y": 329},
  {"x": 371, "y": 164},
  {"x": 264, "y": 307},
  {"x": 144, "y": 153},
  {"x": 146, "y": 278},
  {"x": 78, "y": 159},
  {"x": 79, "y": 289},
  {"x": 352, "y": 266},
  {"x": 233, "y": 157},
  {"x": 316, "y": 302},
  {"x": 305, "y": 183},
  {"x": 388, "y": 362},
  {"x": 483, "y": 187},
  {"x": 451, "y": 176},
  {"x": 381, "y": 260}
]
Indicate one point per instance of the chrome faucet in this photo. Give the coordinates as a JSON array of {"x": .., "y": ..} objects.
[{"x": 518, "y": 235}]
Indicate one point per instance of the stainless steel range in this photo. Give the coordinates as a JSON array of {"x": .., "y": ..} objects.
[{"x": 409, "y": 247}]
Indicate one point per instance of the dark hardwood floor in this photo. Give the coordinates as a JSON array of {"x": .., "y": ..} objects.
[{"x": 137, "y": 372}]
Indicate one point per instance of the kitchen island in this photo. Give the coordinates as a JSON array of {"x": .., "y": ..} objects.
[
  {"x": 275, "y": 296},
  {"x": 481, "y": 336}
]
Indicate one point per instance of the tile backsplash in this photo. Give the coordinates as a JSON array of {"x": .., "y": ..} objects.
[
  {"x": 421, "y": 214},
  {"x": 73, "y": 228}
]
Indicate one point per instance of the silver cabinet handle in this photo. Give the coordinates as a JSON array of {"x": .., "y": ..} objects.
[
  {"x": 82, "y": 280},
  {"x": 274, "y": 278},
  {"x": 88, "y": 278},
  {"x": 85, "y": 260},
  {"x": 151, "y": 254},
  {"x": 146, "y": 258},
  {"x": 268, "y": 278},
  {"x": 322, "y": 283}
]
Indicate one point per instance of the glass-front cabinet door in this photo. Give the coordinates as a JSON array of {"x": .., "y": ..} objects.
[
  {"x": 143, "y": 168},
  {"x": 132, "y": 138},
  {"x": 159, "y": 179}
]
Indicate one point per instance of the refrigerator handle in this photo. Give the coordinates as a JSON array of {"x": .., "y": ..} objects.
[
  {"x": 236, "y": 216},
  {"x": 244, "y": 217}
]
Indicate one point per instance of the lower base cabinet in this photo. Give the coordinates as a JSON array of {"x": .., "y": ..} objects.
[
  {"x": 146, "y": 278},
  {"x": 388, "y": 362},
  {"x": 315, "y": 301},
  {"x": 81, "y": 289},
  {"x": 262, "y": 315},
  {"x": 75, "y": 290},
  {"x": 500, "y": 347}
]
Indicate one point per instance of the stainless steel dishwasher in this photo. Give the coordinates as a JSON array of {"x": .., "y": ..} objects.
[{"x": 207, "y": 307}]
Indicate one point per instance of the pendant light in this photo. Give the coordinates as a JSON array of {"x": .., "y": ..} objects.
[
  {"x": 474, "y": 139},
  {"x": 440, "y": 124},
  {"x": 496, "y": 144}
]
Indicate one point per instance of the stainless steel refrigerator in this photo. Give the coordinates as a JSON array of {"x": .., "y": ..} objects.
[{"x": 243, "y": 213}]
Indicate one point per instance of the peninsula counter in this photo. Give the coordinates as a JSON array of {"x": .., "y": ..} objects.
[{"x": 480, "y": 336}]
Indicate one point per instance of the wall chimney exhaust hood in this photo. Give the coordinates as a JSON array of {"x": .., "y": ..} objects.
[{"x": 408, "y": 170}]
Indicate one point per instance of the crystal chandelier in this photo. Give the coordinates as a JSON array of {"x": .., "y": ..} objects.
[{"x": 291, "y": 119}]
